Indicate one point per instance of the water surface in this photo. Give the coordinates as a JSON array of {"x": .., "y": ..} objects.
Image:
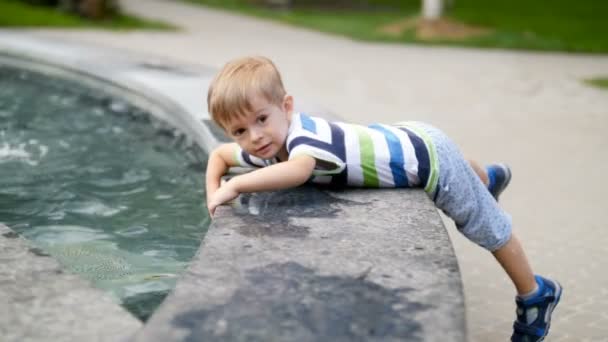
[{"x": 112, "y": 193}]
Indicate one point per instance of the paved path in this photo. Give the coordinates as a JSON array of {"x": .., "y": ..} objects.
[{"x": 528, "y": 109}]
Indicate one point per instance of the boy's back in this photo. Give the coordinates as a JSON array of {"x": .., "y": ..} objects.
[{"x": 355, "y": 155}]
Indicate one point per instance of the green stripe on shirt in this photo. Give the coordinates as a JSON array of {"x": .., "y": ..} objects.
[
  {"x": 368, "y": 159},
  {"x": 431, "y": 184}
]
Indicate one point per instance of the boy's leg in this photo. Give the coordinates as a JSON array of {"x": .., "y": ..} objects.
[
  {"x": 536, "y": 296},
  {"x": 466, "y": 200},
  {"x": 495, "y": 177},
  {"x": 513, "y": 260},
  {"x": 480, "y": 219},
  {"x": 481, "y": 172}
]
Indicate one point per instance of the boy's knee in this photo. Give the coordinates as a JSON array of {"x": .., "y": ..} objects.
[
  {"x": 490, "y": 237},
  {"x": 498, "y": 242}
]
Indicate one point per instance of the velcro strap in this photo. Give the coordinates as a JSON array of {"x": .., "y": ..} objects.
[{"x": 527, "y": 329}]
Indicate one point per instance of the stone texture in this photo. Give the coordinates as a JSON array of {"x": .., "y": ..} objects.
[
  {"x": 39, "y": 301},
  {"x": 319, "y": 265}
]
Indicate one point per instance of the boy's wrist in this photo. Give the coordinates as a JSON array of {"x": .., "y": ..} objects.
[{"x": 234, "y": 183}]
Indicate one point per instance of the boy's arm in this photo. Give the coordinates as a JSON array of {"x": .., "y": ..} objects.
[
  {"x": 279, "y": 176},
  {"x": 220, "y": 160}
]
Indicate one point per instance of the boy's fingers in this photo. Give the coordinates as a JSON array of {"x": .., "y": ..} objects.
[{"x": 211, "y": 209}]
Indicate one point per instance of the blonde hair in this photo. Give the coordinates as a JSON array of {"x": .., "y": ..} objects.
[{"x": 232, "y": 88}]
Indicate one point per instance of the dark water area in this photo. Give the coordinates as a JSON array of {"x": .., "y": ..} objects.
[{"x": 114, "y": 194}]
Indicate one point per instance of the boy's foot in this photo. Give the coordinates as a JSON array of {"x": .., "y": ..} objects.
[
  {"x": 534, "y": 314},
  {"x": 499, "y": 176}
]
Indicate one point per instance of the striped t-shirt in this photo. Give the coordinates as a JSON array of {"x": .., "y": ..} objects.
[{"x": 399, "y": 155}]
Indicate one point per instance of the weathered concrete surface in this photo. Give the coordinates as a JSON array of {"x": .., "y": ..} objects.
[
  {"x": 40, "y": 302},
  {"x": 317, "y": 265}
]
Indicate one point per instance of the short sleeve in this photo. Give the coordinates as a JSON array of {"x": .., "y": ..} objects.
[
  {"x": 313, "y": 137},
  {"x": 327, "y": 162}
]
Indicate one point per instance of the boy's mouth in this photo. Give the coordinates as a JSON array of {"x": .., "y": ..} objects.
[{"x": 263, "y": 149}]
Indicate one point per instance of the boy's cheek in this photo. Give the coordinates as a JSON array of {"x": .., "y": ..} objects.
[{"x": 246, "y": 148}]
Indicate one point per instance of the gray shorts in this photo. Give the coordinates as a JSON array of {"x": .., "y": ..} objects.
[{"x": 465, "y": 199}]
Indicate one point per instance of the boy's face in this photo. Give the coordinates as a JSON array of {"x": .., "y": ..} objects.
[{"x": 263, "y": 131}]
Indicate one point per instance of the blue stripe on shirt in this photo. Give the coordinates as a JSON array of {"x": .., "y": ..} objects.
[
  {"x": 337, "y": 138},
  {"x": 247, "y": 158},
  {"x": 397, "y": 163},
  {"x": 308, "y": 123},
  {"x": 422, "y": 154}
]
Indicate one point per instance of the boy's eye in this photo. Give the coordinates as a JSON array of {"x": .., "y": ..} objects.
[
  {"x": 262, "y": 118},
  {"x": 238, "y": 132}
]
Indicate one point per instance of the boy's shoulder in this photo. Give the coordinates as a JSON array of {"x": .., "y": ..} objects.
[{"x": 313, "y": 127}]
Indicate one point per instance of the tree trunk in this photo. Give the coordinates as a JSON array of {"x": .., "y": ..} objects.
[{"x": 432, "y": 9}]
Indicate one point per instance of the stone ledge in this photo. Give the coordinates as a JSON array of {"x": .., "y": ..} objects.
[
  {"x": 39, "y": 301},
  {"x": 317, "y": 265}
]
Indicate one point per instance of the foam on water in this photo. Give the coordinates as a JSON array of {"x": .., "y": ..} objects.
[{"x": 19, "y": 153}]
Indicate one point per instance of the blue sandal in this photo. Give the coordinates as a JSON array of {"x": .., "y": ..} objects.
[
  {"x": 499, "y": 176},
  {"x": 534, "y": 314}
]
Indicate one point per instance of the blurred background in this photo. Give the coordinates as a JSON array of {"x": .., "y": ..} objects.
[
  {"x": 525, "y": 82},
  {"x": 558, "y": 25}
]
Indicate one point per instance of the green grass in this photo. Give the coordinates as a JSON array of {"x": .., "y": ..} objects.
[
  {"x": 548, "y": 25},
  {"x": 18, "y": 14},
  {"x": 566, "y": 25},
  {"x": 351, "y": 23},
  {"x": 600, "y": 82}
]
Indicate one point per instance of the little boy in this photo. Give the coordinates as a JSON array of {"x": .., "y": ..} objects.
[{"x": 247, "y": 99}]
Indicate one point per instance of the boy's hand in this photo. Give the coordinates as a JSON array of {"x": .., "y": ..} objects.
[
  {"x": 225, "y": 193},
  {"x": 220, "y": 160},
  {"x": 288, "y": 174}
]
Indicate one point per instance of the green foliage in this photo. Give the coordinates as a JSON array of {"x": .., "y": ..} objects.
[
  {"x": 556, "y": 25},
  {"x": 18, "y": 14},
  {"x": 600, "y": 82},
  {"x": 578, "y": 26},
  {"x": 350, "y": 22}
]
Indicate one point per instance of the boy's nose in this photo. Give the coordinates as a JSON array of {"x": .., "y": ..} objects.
[{"x": 255, "y": 135}]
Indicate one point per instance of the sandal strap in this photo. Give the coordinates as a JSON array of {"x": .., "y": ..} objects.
[
  {"x": 536, "y": 300},
  {"x": 527, "y": 329}
]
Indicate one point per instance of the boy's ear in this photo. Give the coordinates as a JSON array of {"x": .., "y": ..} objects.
[{"x": 288, "y": 103}]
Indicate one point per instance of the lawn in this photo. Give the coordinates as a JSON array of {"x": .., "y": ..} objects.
[
  {"x": 556, "y": 25},
  {"x": 599, "y": 82},
  {"x": 18, "y": 14}
]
